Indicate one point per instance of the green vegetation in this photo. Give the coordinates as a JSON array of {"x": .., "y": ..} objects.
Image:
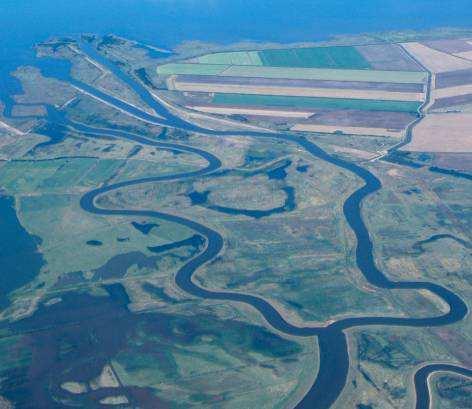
[
  {"x": 375, "y": 347},
  {"x": 300, "y": 262},
  {"x": 29, "y": 176},
  {"x": 312, "y": 57},
  {"x": 453, "y": 391},
  {"x": 316, "y": 103},
  {"x": 175, "y": 349},
  {"x": 382, "y": 363},
  {"x": 104, "y": 308},
  {"x": 315, "y": 57}
]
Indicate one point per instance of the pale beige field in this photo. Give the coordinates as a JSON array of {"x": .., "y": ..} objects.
[
  {"x": 450, "y": 132},
  {"x": 465, "y": 54},
  {"x": 451, "y": 91},
  {"x": 351, "y": 130},
  {"x": 252, "y": 111},
  {"x": 297, "y": 91},
  {"x": 436, "y": 61},
  {"x": 10, "y": 128}
]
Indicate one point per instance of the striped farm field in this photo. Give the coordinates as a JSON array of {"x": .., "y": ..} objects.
[
  {"x": 326, "y": 74},
  {"x": 294, "y": 73},
  {"x": 314, "y": 103},
  {"x": 295, "y": 91}
]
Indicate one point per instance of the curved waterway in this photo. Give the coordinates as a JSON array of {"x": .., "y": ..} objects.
[
  {"x": 423, "y": 398},
  {"x": 334, "y": 357}
]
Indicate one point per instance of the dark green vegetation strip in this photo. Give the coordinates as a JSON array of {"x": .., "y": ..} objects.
[
  {"x": 315, "y": 57},
  {"x": 318, "y": 103}
]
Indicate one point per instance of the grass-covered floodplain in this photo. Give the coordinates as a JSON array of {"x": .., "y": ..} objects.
[
  {"x": 293, "y": 73},
  {"x": 316, "y": 103}
]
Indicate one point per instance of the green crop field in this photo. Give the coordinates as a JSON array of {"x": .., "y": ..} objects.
[
  {"x": 312, "y": 57},
  {"x": 315, "y": 57},
  {"x": 293, "y": 73},
  {"x": 232, "y": 58},
  {"x": 319, "y": 103}
]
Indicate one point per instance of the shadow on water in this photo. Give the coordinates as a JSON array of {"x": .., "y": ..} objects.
[{"x": 72, "y": 339}]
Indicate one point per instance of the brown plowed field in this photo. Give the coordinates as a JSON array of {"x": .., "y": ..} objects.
[
  {"x": 451, "y": 91},
  {"x": 349, "y": 130},
  {"x": 450, "y": 46},
  {"x": 461, "y": 161},
  {"x": 388, "y": 57},
  {"x": 436, "y": 61},
  {"x": 452, "y": 101},
  {"x": 379, "y": 119},
  {"x": 442, "y": 133},
  {"x": 454, "y": 78},
  {"x": 466, "y": 54}
]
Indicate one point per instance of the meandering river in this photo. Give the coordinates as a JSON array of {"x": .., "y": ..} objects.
[{"x": 334, "y": 357}]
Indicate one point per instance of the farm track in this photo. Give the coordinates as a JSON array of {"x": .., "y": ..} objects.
[{"x": 334, "y": 356}]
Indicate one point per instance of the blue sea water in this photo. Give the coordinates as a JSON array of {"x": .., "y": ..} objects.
[{"x": 169, "y": 22}]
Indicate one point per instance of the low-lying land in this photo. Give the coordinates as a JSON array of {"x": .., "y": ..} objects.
[{"x": 96, "y": 317}]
